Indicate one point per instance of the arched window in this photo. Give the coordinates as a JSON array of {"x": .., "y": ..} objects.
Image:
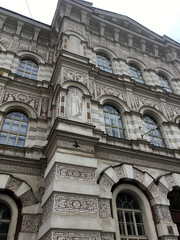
[
  {"x": 104, "y": 63},
  {"x": 5, "y": 218},
  {"x": 130, "y": 217},
  {"x": 14, "y": 129},
  {"x": 113, "y": 122},
  {"x": 132, "y": 214},
  {"x": 136, "y": 73},
  {"x": 153, "y": 131},
  {"x": 28, "y": 68},
  {"x": 164, "y": 83}
]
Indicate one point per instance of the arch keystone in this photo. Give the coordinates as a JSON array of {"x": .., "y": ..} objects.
[{"x": 128, "y": 169}]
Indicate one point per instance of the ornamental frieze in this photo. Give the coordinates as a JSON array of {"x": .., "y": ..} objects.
[
  {"x": 102, "y": 89},
  {"x": 77, "y": 76},
  {"x": 64, "y": 235},
  {"x": 141, "y": 101},
  {"x": 75, "y": 173},
  {"x": 39, "y": 105},
  {"x": 75, "y": 204}
]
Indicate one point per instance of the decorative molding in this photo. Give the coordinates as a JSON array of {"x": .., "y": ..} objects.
[
  {"x": 20, "y": 169},
  {"x": 31, "y": 222},
  {"x": 70, "y": 74},
  {"x": 107, "y": 236},
  {"x": 162, "y": 213},
  {"x": 104, "y": 208},
  {"x": 75, "y": 173},
  {"x": 106, "y": 182},
  {"x": 71, "y": 203},
  {"x": 28, "y": 198},
  {"x": 64, "y": 235}
]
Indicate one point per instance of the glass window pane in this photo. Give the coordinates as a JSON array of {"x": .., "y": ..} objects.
[
  {"x": 12, "y": 140},
  {"x": 21, "y": 141},
  {"x": 15, "y": 126},
  {"x": 6, "y": 125},
  {"x": 115, "y": 132},
  {"x": 23, "y": 128},
  {"x": 3, "y": 138}
]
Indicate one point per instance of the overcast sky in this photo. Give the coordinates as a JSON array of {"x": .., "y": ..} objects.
[{"x": 160, "y": 16}]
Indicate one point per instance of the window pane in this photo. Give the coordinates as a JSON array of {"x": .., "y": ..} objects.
[
  {"x": 121, "y": 223},
  {"x": 21, "y": 141},
  {"x": 3, "y": 138},
  {"x": 12, "y": 140},
  {"x": 6, "y": 125},
  {"x": 115, "y": 132},
  {"x": 23, "y": 128},
  {"x": 15, "y": 126}
]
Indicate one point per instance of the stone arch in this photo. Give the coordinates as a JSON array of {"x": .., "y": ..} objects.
[
  {"x": 136, "y": 62},
  {"x": 12, "y": 105},
  {"x": 106, "y": 51},
  {"x": 103, "y": 99},
  {"x": 69, "y": 32},
  {"x": 28, "y": 54},
  {"x": 154, "y": 113},
  {"x": 20, "y": 189},
  {"x": 156, "y": 189},
  {"x": 112, "y": 175},
  {"x": 79, "y": 85},
  {"x": 165, "y": 72}
]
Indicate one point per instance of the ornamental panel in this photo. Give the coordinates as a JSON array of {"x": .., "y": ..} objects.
[{"x": 75, "y": 204}]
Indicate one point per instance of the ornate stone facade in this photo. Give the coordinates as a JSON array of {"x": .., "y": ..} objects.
[{"x": 61, "y": 182}]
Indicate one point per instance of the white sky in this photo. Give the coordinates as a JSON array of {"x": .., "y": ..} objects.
[{"x": 160, "y": 16}]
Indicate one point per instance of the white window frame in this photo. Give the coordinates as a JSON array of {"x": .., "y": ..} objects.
[
  {"x": 14, "y": 215},
  {"x": 145, "y": 207}
]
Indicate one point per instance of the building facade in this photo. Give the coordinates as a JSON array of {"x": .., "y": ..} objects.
[{"x": 89, "y": 128}]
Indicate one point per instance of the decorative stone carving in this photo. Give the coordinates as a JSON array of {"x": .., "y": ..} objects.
[
  {"x": 172, "y": 112},
  {"x": 75, "y": 173},
  {"x": 162, "y": 213},
  {"x": 75, "y": 28},
  {"x": 74, "y": 103},
  {"x": 28, "y": 198},
  {"x": 119, "y": 171},
  {"x": 31, "y": 223},
  {"x": 44, "y": 107},
  {"x": 75, "y": 204},
  {"x": 104, "y": 208},
  {"x": 102, "y": 89},
  {"x": 158, "y": 191},
  {"x": 107, "y": 236},
  {"x": 34, "y": 102},
  {"x": 73, "y": 75},
  {"x": 13, "y": 184},
  {"x": 105, "y": 182},
  {"x": 12, "y": 96},
  {"x": 140, "y": 101},
  {"x": 20, "y": 169},
  {"x": 138, "y": 175},
  {"x": 64, "y": 235},
  {"x": 170, "y": 180}
]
